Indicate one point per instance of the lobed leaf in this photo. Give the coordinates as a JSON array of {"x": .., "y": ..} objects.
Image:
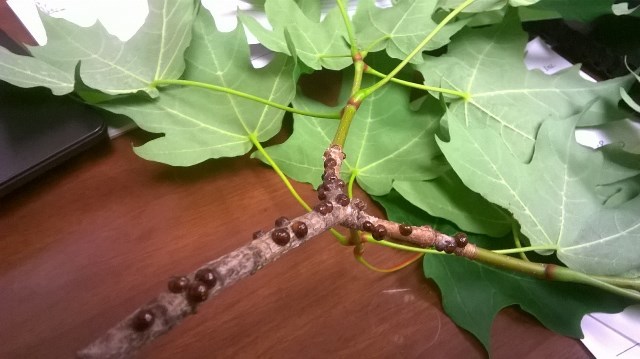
[
  {"x": 317, "y": 44},
  {"x": 24, "y": 71},
  {"x": 106, "y": 63},
  {"x": 400, "y": 28},
  {"x": 487, "y": 64},
  {"x": 375, "y": 158},
  {"x": 553, "y": 197},
  {"x": 199, "y": 124}
]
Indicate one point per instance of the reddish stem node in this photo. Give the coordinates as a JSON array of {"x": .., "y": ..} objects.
[
  {"x": 549, "y": 271},
  {"x": 353, "y": 102}
]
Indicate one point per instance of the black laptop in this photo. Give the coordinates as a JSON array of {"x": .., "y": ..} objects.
[{"x": 39, "y": 130}]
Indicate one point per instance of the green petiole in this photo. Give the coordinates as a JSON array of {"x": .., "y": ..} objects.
[
  {"x": 244, "y": 95},
  {"x": 463, "y": 95},
  {"x": 369, "y": 90}
]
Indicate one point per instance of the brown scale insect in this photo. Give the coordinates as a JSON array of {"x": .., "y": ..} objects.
[
  {"x": 405, "y": 229},
  {"x": 178, "y": 284},
  {"x": 321, "y": 194},
  {"x": 367, "y": 226},
  {"x": 450, "y": 247},
  {"x": 342, "y": 199},
  {"x": 379, "y": 232},
  {"x": 324, "y": 208},
  {"x": 257, "y": 234},
  {"x": 280, "y": 236},
  {"x": 330, "y": 179},
  {"x": 143, "y": 320},
  {"x": 207, "y": 277},
  {"x": 299, "y": 229},
  {"x": 330, "y": 163},
  {"x": 282, "y": 221},
  {"x": 197, "y": 292},
  {"x": 461, "y": 239}
]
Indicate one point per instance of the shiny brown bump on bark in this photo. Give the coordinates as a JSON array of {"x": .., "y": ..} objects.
[
  {"x": 197, "y": 292},
  {"x": 342, "y": 199},
  {"x": 282, "y": 221},
  {"x": 330, "y": 163},
  {"x": 299, "y": 229},
  {"x": 143, "y": 320},
  {"x": 178, "y": 284},
  {"x": 207, "y": 277},
  {"x": 367, "y": 226},
  {"x": 379, "y": 232},
  {"x": 461, "y": 239},
  {"x": 280, "y": 236},
  {"x": 405, "y": 229}
]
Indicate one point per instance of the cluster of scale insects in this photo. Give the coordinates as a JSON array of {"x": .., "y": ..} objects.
[
  {"x": 196, "y": 292},
  {"x": 205, "y": 279}
]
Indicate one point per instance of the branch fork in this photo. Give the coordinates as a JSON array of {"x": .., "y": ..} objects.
[{"x": 184, "y": 294}]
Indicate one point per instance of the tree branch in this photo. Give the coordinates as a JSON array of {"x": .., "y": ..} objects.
[{"x": 185, "y": 294}]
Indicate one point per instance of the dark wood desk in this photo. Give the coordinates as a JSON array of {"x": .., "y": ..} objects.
[{"x": 91, "y": 241}]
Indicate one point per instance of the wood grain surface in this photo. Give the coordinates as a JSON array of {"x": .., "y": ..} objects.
[{"x": 89, "y": 242}]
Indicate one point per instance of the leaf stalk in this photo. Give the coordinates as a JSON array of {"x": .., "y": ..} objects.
[
  {"x": 369, "y": 90},
  {"x": 244, "y": 95},
  {"x": 549, "y": 271},
  {"x": 349, "y": 26},
  {"x": 374, "y": 72}
]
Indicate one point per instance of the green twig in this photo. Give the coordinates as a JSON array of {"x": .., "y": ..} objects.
[
  {"x": 348, "y": 112},
  {"x": 521, "y": 250},
  {"x": 401, "y": 247},
  {"x": 549, "y": 271},
  {"x": 369, "y": 90},
  {"x": 275, "y": 167},
  {"x": 352, "y": 179},
  {"x": 553, "y": 272},
  {"x": 622, "y": 282},
  {"x": 515, "y": 230},
  {"x": 349, "y": 26},
  {"x": 374, "y": 43},
  {"x": 243, "y": 95},
  {"x": 463, "y": 95},
  {"x": 331, "y": 56}
]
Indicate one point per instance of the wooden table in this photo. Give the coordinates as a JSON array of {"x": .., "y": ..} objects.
[{"x": 89, "y": 242}]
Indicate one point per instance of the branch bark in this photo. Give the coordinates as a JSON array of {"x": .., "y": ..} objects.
[{"x": 185, "y": 294}]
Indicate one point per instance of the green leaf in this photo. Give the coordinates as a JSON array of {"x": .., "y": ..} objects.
[
  {"x": 316, "y": 43},
  {"x": 25, "y": 71},
  {"x": 201, "y": 124},
  {"x": 553, "y": 197},
  {"x": 376, "y": 158},
  {"x": 399, "y": 29},
  {"x": 474, "y": 293},
  {"x": 447, "y": 197},
  {"x": 106, "y": 63},
  {"x": 488, "y": 64}
]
